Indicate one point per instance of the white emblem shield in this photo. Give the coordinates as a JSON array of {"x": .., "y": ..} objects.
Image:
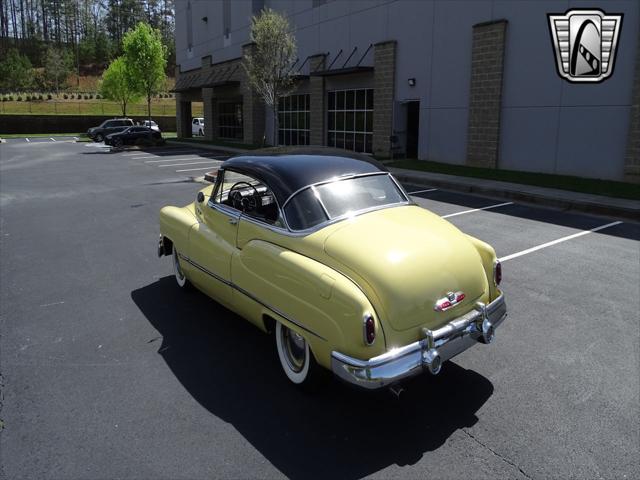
[{"x": 585, "y": 43}]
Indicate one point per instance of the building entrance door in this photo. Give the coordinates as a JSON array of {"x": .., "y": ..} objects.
[{"x": 413, "y": 128}]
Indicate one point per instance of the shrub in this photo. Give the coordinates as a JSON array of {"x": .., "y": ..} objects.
[
  {"x": 98, "y": 97},
  {"x": 11, "y": 98},
  {"x": 86, "y": 97},
  {"x": 40, "y": 97},
  {"x": 65, "y": 96},
  {"x": 90, "y": 96},
  {"x": 19, "y": 99},
  {"x": 49, "y": 97}
]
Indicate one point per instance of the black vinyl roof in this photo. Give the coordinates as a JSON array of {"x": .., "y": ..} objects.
[{"x": 285, "y": 173}]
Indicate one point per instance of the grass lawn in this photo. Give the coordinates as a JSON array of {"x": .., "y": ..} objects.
[{"x": 575, "y": 184}]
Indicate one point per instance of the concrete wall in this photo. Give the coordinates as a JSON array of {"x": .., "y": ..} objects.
[
  {"x": 547, "y": 124},
  {"x": 29, "y": 124}
]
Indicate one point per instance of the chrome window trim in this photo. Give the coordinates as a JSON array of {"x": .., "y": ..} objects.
[
  {"x": 250, "y": 295},
  {"x": 331, "y": 221},
  {"x": 331, "y": 180},
  {"x": 320, "y": 226},
  {"x": 287, "y": 230},
  {"x": 239, "y": 214},
  {"x": 317, "y": 195}
]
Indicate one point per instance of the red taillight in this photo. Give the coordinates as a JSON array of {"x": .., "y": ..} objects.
[
  {"x": 369, "y": 329},
  {"x": 497, "y": 273},
  {"x": 459, "y": 297}
]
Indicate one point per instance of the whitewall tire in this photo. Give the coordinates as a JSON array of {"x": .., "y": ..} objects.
[
  {"x": 295, "y": 356},
  {"x": 181, "y": 278}
]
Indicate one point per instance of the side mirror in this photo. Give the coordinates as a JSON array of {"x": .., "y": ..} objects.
[{"x": 200, "y": 197}]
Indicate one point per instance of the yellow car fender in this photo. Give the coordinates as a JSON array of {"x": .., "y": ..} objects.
[{"x": 319, "y": 303}]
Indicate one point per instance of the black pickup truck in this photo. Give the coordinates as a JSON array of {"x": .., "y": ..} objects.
[{"x": 115, "y": 125}]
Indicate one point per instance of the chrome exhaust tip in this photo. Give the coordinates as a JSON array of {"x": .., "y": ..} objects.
[
  {"x": 431, "y": 359},
  {"x": 488, "y": 331}
]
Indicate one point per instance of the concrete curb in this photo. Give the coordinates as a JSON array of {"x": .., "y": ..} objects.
[{"x": 549, "y": 197}]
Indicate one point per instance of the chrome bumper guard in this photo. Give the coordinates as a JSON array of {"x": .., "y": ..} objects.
[{"x": 428, "y": 354}]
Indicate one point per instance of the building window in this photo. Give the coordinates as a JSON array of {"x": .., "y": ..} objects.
[
  {"x": 230, "y": 120},
  {"x": 293, "y": 120},
  {"x": 350, "y": 119},
  {"x": 189, "y": 26}
]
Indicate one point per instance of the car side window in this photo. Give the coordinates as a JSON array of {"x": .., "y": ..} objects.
[
  {"x": 248, "y": 196},
  {"x": 108, "y": 125}
]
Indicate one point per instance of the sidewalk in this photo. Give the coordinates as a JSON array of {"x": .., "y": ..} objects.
[{"x": 550, "y": 197}]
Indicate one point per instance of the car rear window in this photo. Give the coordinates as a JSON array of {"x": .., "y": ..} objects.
[{"x": 339, "y": 198}]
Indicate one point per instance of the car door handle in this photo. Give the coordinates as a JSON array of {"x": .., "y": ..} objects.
[{"x": 233, "y": 221}]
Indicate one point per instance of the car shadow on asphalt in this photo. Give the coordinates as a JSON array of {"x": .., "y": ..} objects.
[{"x": 231, "y": 368}]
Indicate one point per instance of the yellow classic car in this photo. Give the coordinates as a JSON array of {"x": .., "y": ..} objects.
[{"x": 330, "y": 253}]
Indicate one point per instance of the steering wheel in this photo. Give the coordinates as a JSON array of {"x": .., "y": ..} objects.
[{"x": 241, "y": 203}]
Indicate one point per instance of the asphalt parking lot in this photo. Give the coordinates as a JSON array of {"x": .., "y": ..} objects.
[{"x": 109, "y": 371}]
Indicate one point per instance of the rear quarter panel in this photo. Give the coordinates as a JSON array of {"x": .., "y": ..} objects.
[{"x": 312, "y": 294}]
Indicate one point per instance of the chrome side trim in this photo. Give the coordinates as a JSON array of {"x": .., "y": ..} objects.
[
  {"x": 204, "y": 270},
  {"x": 251, "y": 296}
]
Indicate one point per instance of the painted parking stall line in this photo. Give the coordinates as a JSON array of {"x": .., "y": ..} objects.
[
  {"x": 490, "y": 207},
  {"x": 559, "y": 240},
  {"x": 156, "y": 152},
  {"x": 195, "y": 169},
  {"x": 185, "y": 159},
  {"x": 189, "y": 163}
]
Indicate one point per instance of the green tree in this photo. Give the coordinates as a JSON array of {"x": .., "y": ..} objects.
[
  {"x": 115, "y": 85},
  {"x": 146, "y": 59},
  {"x": 269, "y": 66},
  {"x": 57, "y": 66},
  {"x": 16, "y": 72}
]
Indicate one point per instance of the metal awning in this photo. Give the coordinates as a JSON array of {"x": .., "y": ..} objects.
[{"x": 341, "y": 71}]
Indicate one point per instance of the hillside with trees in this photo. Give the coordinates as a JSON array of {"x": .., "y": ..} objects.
[{"x": 50, "y": 45}]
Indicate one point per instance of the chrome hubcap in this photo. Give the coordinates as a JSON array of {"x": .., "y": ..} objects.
[{"x": 295, "y": 349}]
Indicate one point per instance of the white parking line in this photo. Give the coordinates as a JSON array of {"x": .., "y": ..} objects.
[
  {"x": 188, "y": 163},
  {"x": 180, "y": 159},
  {"x": 423, "y": 191},
  {"x": 194, "y": 169},
  {"x": 52, "y": 139},
  {"x": 559, "y": 240},
  {"x": 477, "y": 209},
  {"x": 133, "y": 154},
  {"x": 27, "y": 140}
]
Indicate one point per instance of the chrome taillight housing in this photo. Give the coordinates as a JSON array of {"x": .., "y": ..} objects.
[
  {"x": 368, "y": 329},
  {"x": 497, "y": 272}
]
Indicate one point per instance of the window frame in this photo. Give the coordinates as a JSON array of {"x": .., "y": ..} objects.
[
  {"x": 218, "y": 189},
  {"x": 345, "y": 111},
  {"x": 285, "y": 111}
]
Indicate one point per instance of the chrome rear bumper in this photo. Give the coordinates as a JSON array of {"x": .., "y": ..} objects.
[{"x": 439, "y": 345}]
